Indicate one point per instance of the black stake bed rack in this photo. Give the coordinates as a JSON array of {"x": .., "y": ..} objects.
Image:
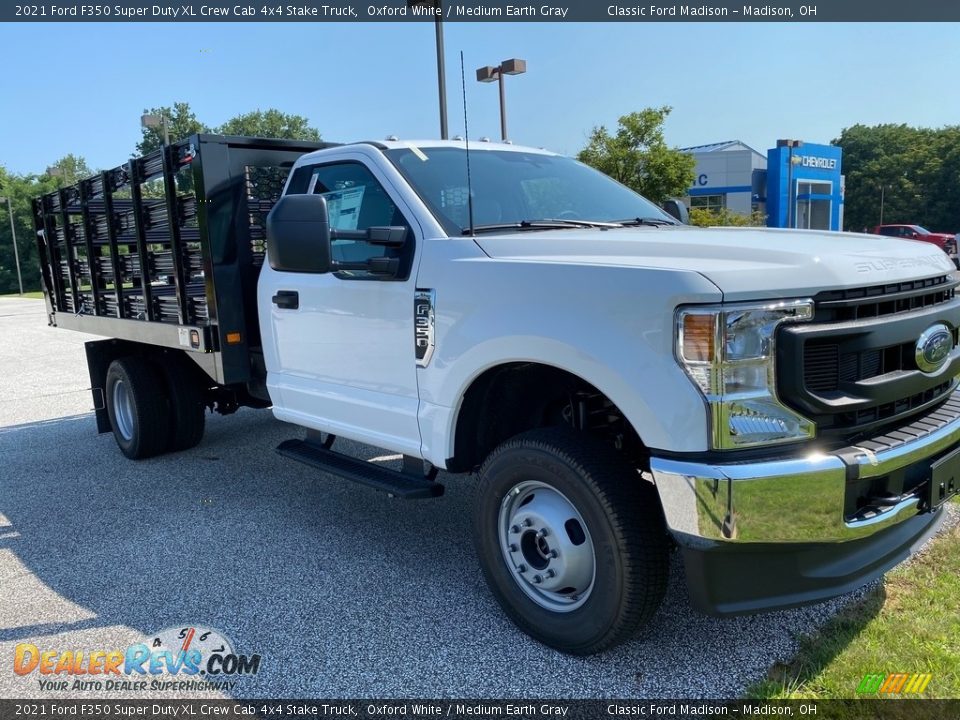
[{"x": 166, "y": 249}]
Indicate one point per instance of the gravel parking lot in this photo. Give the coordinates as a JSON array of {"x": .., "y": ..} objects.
[{"x": 343, "y": 591}]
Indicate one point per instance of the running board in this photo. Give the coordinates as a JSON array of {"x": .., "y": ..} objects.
[{"x": 404, "y": 485}]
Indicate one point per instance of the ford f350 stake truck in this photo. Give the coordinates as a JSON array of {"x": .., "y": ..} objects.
[{"x": 781, "y": 406}]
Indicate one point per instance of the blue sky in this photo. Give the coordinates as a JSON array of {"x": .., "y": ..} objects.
[{"x": 81, "y": 88}]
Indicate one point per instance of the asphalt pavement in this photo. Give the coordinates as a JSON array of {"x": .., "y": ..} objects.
[{"x": 342, "y": 591}]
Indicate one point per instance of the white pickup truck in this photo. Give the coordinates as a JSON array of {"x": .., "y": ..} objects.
[{"x": 779, "y": 406}]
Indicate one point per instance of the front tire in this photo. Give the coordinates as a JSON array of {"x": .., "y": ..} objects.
[
  {"x": 571, "y": 539},
  {"x": 138, "y": 408}
]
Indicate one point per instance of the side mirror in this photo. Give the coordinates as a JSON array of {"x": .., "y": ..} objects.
[
  {"x": 678, "y": 210},
  {"x": 298, "y": 234}
]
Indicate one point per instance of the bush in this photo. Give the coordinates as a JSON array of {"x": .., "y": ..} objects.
[{"x": 706, "y": 217}]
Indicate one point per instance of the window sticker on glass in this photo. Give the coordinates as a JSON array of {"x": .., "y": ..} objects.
[{"x": 343, "y": 207}]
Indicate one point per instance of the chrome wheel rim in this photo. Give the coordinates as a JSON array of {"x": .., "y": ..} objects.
[
  {"x": 547, "y": 546},
  {"x": 123, "y": 410}
]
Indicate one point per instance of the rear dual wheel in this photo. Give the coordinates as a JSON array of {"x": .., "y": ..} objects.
[
  {"x": 187, "y": 407},
  {"x": 138, "y": 407},
  {"x": 153, "y": 408}
]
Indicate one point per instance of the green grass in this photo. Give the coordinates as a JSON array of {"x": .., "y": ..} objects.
[
  {"x": 37, "y": 295},
  {"x": 910, "y": 624}
]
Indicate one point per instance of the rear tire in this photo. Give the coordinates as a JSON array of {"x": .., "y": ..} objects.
[
  {"x": 138, "y": 408},
  {"x": 557, "y": 500},
  {"x": 187, "y": 407}
]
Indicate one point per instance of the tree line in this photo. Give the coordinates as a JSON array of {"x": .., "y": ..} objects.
[{"x": 913, "y": 174}]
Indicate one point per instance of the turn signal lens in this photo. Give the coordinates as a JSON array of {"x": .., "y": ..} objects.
[{"x": 699, "y": 337}]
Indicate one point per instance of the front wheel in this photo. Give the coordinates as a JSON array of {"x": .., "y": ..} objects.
[{"x": 571, "y": 539}]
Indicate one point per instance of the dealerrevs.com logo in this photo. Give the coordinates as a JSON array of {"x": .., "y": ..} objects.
[{"x": 183, "y": 658}]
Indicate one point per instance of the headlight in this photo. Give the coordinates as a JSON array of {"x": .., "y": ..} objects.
[{"x": 728, "y": 352}]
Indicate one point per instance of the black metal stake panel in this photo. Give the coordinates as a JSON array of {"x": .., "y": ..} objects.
[
  {"x": 184, "y": 264},
  {"x": 176, "y": 246},
  {"x": 93, "y": 266},
  {"x": 107, "y": 179},
  {"x": 136, "y": 194},
  {"x": 68, "y": 246}
]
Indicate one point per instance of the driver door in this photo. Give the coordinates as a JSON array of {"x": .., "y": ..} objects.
[{"x": 343, "y": 360}]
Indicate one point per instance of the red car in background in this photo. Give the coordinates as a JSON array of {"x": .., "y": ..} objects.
[{"x": 945, "y": 241}]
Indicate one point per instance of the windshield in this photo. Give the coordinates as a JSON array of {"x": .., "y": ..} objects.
[
  {"x": 514, "y": 188},
  {"x": 920, "y": 230}
]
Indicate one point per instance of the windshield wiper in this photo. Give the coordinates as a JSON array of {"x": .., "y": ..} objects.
[
  {"x": 545, "y": 224},
  {"x": 654, "y": 222},
  {"x": 572, "y": 222}
]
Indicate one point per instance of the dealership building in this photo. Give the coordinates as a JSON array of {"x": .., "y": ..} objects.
[{"x": 796, "y": 184}]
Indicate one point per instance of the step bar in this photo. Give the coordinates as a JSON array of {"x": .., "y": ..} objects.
[{"x": 405, "y": 484}]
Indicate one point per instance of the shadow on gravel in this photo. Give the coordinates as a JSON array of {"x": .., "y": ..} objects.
[
  {"x": 820, "y": 651},
  {"x": 342, "y": 591},
  {"x": 28, "y": 633},
  {"x": 9, "y": 429}
]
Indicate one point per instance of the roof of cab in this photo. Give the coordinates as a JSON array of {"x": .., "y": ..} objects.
[{"x": 475, "y": 145}]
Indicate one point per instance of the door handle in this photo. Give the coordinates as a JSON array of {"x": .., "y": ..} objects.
[{"x": 289, "y": 299}]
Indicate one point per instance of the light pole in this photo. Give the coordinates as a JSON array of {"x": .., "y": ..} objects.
[
  {"x": 13, "y": 232},
  {"x": 152, "y": 121},
  {"x": 514, "y": 66},
  {"x": 901, "y": 184},
  {"x": 437, "y": 6}
]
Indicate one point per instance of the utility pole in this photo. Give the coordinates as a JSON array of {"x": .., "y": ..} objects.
[{"x": 13, "y": 233}]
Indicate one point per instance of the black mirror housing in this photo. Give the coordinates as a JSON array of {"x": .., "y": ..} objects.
[
  {"x": 298, "y": 234},
  {"x": 390, "y": 236},
  {"x": 677, "y": 210}
]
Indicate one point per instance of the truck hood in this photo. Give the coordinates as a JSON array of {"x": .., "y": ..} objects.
[{"x": 745, "y": 263}]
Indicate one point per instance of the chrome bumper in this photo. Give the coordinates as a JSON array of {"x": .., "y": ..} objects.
[{"x": 788, "y": 501}]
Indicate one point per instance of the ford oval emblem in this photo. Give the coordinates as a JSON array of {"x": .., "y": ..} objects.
[{"x": 933, "y": 347}]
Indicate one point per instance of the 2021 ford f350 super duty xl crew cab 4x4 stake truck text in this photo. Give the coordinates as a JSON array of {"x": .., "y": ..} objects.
[{"x": 780, "y": 405}]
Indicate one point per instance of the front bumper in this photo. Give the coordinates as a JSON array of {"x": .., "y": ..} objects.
[{"x": 773, "y": 534}]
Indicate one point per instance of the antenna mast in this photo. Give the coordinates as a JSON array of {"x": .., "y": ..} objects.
[{"x": 466, "y": 138}]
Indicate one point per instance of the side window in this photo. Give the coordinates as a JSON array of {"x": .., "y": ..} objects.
[
  {"x": 891, "y": 231},
  {"x": 356, "y": 201}
]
